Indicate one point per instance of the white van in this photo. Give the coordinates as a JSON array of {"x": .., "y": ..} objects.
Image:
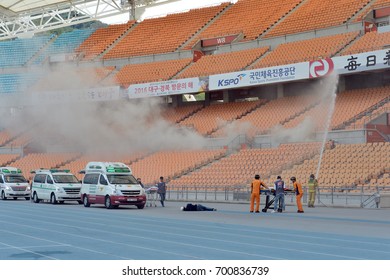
[
  {"x": 56, "y": 186},
  {"x": 13, "y": 184},
  {"x": 111, "y": 184}
]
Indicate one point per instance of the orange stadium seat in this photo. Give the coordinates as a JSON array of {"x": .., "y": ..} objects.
[
  {"x": 177, "y": 114},
  {"x": 223, "y": 63},
  {"x": 348, "y": 105},
  {"x": 150, "y": 72},
  {"x": 370, "y": 41},
  {"x": 101, "y": 39},
  {"x": 164, "y": 34},
  {"x": 239, "y": 168},
  {"x": 370, "y": 7},
  {"x": 344, "y": 166},
  {"x": 35, "y": 161},
  {"x": 248, "y": 17},
  {"x": 306, "y": 50},
  {"x": 317, "y": 14},
  {"x": 172, "y": 163},
  {"x": 217, "y": 115},
  {"x": 269, "y": 115}
]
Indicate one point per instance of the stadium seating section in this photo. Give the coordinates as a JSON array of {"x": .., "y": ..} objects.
[
  {"x": 306, "y": 50},
  {"x": 102, "y": 39},
  {"x": 351, "y": 165},
  {"x": 153, "y": 36},
  {"x": 150, "y": 72},
  {"x": 317, "y": 14},
  {"x": 348, "y": 104},
  {"x": 247, "y": 17},
  {"x": 239, "y": 168},
  {"x": 223, "y": 63},
  {"x": 370, "y": 41}
]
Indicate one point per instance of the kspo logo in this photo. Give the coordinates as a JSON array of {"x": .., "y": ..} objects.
[
  {"x": 229, "y": 82},
  {"x": 320, "y": 68}
]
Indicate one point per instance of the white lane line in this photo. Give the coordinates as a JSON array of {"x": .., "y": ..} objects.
[
  {"x": 59, "y": 244},
  {"x": 89, "y": 237},
  {"x": 27, "y": 251}
]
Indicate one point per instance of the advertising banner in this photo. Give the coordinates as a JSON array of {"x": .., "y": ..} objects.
[
  {"x": 77, "y": 95},
  {"x": 276, "y": 74},
  {"x": 367, "y": 61},
  {"x": 171, "y": 87}
]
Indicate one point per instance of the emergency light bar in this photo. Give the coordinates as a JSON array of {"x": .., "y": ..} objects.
[
  {"x": 118, "y": 169},
  {"x": 6, "y": 170}
]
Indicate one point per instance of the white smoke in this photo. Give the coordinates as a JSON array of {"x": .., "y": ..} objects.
[
  {"x": 96, "y": 127},
  {"x": 304, "y": 131},
  {"x": 323, "y": 94}
]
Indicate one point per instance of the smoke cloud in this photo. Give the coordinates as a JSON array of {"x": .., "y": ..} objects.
[
  {"x": 116, "y": 127},
  {"x": 323, "y": 93}
]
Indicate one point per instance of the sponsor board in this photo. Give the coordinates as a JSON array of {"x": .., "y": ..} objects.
[
  {"x": 171, "y": 87},
  {"x": 366, "y": 61},
  {"x": 77, "y": 95},
  {"x": 354, "y": 63},
  {"x": 276, "y": 74}
]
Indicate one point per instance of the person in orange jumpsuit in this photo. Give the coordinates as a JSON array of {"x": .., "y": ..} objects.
[
  {"x": 299, "y": 193},
  {"x": 255, "y": 193}
]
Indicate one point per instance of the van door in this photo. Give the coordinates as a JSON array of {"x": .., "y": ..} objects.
[
  {"x": 91, "y": 184},
  {"x": 102, "y": 188},
  {"x": 39, "y": 185},
  {"x": 2, "y": 188},
  {"x": 50, "y": 187}
]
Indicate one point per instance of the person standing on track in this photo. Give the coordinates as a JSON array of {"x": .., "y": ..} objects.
[
  {"x": 255, "y": 193},
  {"x": 312, "y": 184},
  {"x": 162, "y": 189},
  {"x": 298, "y": 192},
  {"x": 279, "y": 195}
]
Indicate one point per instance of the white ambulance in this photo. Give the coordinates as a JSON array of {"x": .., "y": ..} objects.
[
  {"x": 55, "y": 186},
  {"x": 111, "y": 184},
  {"x": 13, "y": 184}
]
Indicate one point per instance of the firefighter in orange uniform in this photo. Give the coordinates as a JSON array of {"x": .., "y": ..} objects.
[
  {"x": 299, "y": 193},
  {"x": 255, "y": 193}
]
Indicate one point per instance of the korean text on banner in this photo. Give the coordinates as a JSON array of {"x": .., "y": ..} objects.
[
  {"x": 276, "y": 74},
  {"x": 171, "y": 87}
]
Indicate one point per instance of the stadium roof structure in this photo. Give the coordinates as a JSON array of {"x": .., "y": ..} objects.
[{"x": 23, "y": 18}]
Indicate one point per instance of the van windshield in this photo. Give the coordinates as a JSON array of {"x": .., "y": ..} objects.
[
  {"x": 15, "y": 179},
  {"x": 122, "y": 179},
  {"x": 65, "y": 179}
]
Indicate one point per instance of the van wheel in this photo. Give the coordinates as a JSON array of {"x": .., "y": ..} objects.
[
  {"x": 15, "y": 198},
  {"x": 140, "y": 206},
  {"x": 86, "y": 201},
  {"x": 35, "y": 198},
  {"x": 79, "y": 201},
  {"x": 107, "y": 202},
  {"x": 3, "y": 196},
  {"x": 53, "y": 199},
  {"x": 27, "y": 198}
]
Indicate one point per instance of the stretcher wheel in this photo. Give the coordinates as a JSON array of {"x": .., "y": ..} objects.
[{"x": 264, "y": 210}]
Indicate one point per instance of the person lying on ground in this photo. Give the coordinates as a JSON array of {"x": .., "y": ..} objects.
[{"x": 196, "y": 207}]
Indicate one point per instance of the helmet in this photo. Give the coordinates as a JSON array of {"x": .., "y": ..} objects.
[
  {"x": 257, "y": 176},
  {"x": 293, "y": 179}
]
